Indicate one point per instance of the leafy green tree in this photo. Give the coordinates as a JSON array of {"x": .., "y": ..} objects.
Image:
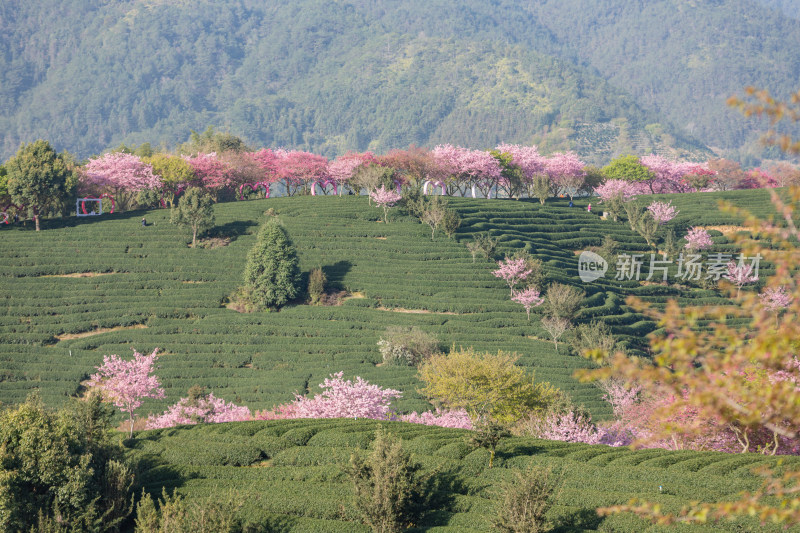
[
  {"x": 195, "y": 209},
  {"x": 628, "y": 168},
  {"x": 389, "y": 492},
  {"x": 173, "y": 172},
  {"x": 487, "y": 385},
  {"x": 37, "y": 178},
  {"x": 272, "y": 275},
  {"x": 61, "y": 467}
]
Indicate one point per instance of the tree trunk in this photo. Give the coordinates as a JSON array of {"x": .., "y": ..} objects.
[
  {"x": 194, "y": 234},
  {"x": 36, "y": 219}
]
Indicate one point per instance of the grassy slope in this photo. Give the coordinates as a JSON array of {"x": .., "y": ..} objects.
[
  {"x": 288, "y": 474},
  {"x": 260, "y": 359}
]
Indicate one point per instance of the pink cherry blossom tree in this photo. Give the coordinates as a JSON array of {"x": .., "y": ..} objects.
[
  {"x": 512, "y": 271},
  {"x": 342, "y": 169},
  {"x": 120, "y": 175},
  {"x": 662, "y": 212},
  {"x": 469, "y": 167},
  {"x": 301, "y": 169},
  {"x": 698, "y": 239},
  {"x": 615, "y": 188},
  {"x": 127, "y": 383},
  {"x": 458, "y": 418},
  {"x": 775, "y": 299},
  {"x": 527, "y": 159},
  {"x": 339, "y": 399},
  {"x": 669, "y": 176},
  {"x": 566, "y": 172},
  {"x": 386, "y": 199},
  {"x": 202, "y": 408},
  {"x": 211, "y": 172},
  {"x": 529, "y": 298},
  {"x": 740, "y": 275}
]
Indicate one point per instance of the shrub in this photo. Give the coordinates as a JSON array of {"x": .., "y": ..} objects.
[
  {"x": 406, "y": 346},
  {"x": 388, "y": 491},
  {"x": 526, "y": 499},
  {"x": 486, "y": 385},
  {"x": 484, "y": 243},
  {"x": 451, "y": 222},
  {"x": 271, "y": 274},
  {"x": 562, "y": 301},
  {"x": 176, "y": 515},
  {"x": 593, "y": 336},
  {"x": 316, "y": 285}
]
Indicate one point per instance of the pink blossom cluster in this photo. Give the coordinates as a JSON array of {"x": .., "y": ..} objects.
[
  {"x": 775, "y": 298},
  {"x": 126, "y": 383},
  {"x": 385, "y": 197},
  {"x": 447, "y": 419},
  {"x": 118, "y": 172},
  {"x": 565, "y": 171},
  {"x": 662, "y": 212},
  {"x": 512, "y": 271},
  {"x": 210, "y": 171},
  {"x": 341, "y": 169},
  {"x": 740, "y": 275},
  {"x": 526, "y": 158},
  {"x": 206, "y": 409},
  {"x": 698, "y": 239},
  {"x": 615, "y": 188},
  {"x": 476, "y": 167},
  {"x": 529, "y": 298},
  {"x": 340, "y": 398},
  {"x": 670, "y": 176}
]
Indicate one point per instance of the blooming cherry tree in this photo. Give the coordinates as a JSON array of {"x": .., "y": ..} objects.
[
  {"x": 662, "y": 212},
  {"x": 512, "y": 271},
  {"x": 301, "y": 169},
  {"x": 469, "y": 167},
  {"x": 342, "y": 399},
  {"x": 775, "y": 299},
  {"x": 566, "y": 172},
  {"x": 126, "y": 383},
  {"x": 614, "y": 188},
  {"x": 530, "y": 297},
  {"x": 386, "y": 199},
  {"x": 203, "y": 408},
  {"x": 740, "y": 275},
  {"x": 698, "y": 239},
  {"x": 457, "y": 418},
  {"x": 121, "y": 175},
  {"x": 211, "y": 172}
]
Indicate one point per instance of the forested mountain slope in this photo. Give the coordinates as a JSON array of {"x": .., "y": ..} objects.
[
  {"x": 790, "y": 8},
  {"x": 335, "y": 76}
]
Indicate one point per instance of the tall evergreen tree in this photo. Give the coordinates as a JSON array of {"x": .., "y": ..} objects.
[{"x": 272, "y": 275}]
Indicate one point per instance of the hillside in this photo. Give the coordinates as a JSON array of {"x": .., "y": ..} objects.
[
  {"x": 331, "y": 77},
  {"x": 790, "y": 8},
  {"x": 83, "y": 288},
  {"x": 288, "y": 475}
]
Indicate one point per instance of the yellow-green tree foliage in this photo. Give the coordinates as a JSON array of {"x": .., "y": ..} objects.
[{"x": 485, "y": 384}]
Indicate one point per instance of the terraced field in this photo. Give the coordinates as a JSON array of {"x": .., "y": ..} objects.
[
  {"x": 142, "y": 288},
  {"x": 288, "y": 474}
]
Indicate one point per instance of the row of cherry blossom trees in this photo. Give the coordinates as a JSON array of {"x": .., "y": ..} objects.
[
  {"x": 126, "y": 383},
  {"x": 507, "y": 170}
]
